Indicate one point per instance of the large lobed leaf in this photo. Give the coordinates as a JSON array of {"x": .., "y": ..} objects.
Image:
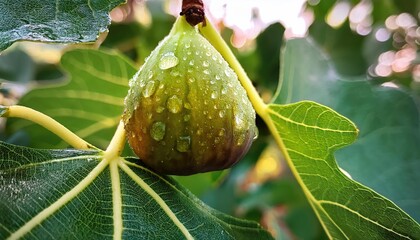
[
  {"x": 386, "y": 156},
  {"x": 309, "y": 134},
  {"x": 53, "y": 21},
  {"x": 48, "y": 194},
  {"x": 90, "y": 104}
]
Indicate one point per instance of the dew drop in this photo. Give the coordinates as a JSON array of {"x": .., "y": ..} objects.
[
  {"x": 206, "y": 71},
  {"x": 168, "y": 60},
  {"x": 187, "y": 105},
  {"x": 222, "y": 113},
  {"x": 191, "y": 79},
  {"x": 222, "y": 132},
  {"x": 191, "y": 63},
  {"x": 227, "y": 73},
  {"x": 240, "y": 140},
  {"x": 158, "y": 130},
  {"x": 149, "y": 116},
  {"x": 213, "y": 95},
  {"x": 187, "y": 45},
  {"x": 175, "y": 73},
  {"x": 208, "y": 54},
  {"x": 224, "y": 90},
  {"x": 217, "y": 77},
  {"x": 239, "y": 122},
  {"x": 187, "y": 118},
  {"x": 142, "y": 83},
  {"x": 149, "y": 89},
  {"x": 199, "y": 131},
  {"x": 174, "y": 104},
  {"x": 150, "y": 75},
  {"x": 183, "y": 143},
  {"x": 160, "y": 109},
  {"x": 256, "y": 133},
  {"x": 205, "y": 64},
  {"x": 188, "y": 52}
]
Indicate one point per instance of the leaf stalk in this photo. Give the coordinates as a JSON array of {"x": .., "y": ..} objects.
[{"x": 47, "y": 122}]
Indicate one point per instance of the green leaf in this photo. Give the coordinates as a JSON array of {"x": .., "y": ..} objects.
[
  {"x": 76, "y": 194},
  {"x": 53, "y": 21},
  {"x": 386, "y": 156},
  {"x": 309, "y": 133},
  {"x": 90, "y": 104}
]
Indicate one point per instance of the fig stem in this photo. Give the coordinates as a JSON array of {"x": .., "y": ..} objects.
[
  {"x": 211, "y": 34},
  {"x": 47, "y": 122},
  {"x": 116, "y": 146}
]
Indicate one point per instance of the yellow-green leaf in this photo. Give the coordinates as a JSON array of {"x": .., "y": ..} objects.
[{"x": 308, "y": 134}]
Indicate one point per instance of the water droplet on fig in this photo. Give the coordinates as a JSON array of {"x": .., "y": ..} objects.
[
  {"x": 187, "y": 105},
  {"x": 168, "y": 60},
  {"x": 221, "y": 113},
  {"x": 160, "y": 109},
  {"x": 174, "y": 104},
  {"x": 241, "y": 139},
  {"x": 175, "y": 73},
  {"x": 222, "y": 132},
  {"x": 149, "y": 89},
  {"x": 256, "y": 133},
  {"x": 205, "y": 64},
  {"x": 213, "y": 95},
  {"x": 206, "y": 71},
  {"x": 158, "y": 130},
  {"x": 183, "y": 143},
  {"x": 239, "y": 122},
  {"x": 150, "y": 75}
]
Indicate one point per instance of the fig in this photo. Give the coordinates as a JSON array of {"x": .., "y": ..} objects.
[{"x": 186, "y": 112}]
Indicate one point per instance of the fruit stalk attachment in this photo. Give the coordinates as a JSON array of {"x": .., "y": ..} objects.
[{"x": 193, "y": 10}]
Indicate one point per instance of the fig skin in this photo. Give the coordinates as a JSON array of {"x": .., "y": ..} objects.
[{"x": 186, "y": 112}]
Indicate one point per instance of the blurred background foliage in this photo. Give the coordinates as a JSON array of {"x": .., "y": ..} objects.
[{"x": 375, "y": 38}]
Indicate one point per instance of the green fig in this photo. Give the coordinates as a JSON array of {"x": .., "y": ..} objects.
[{"x": 186, "y": 112}]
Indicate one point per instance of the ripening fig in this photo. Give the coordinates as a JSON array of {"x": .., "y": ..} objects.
[{"x": 186, "y": 112}]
